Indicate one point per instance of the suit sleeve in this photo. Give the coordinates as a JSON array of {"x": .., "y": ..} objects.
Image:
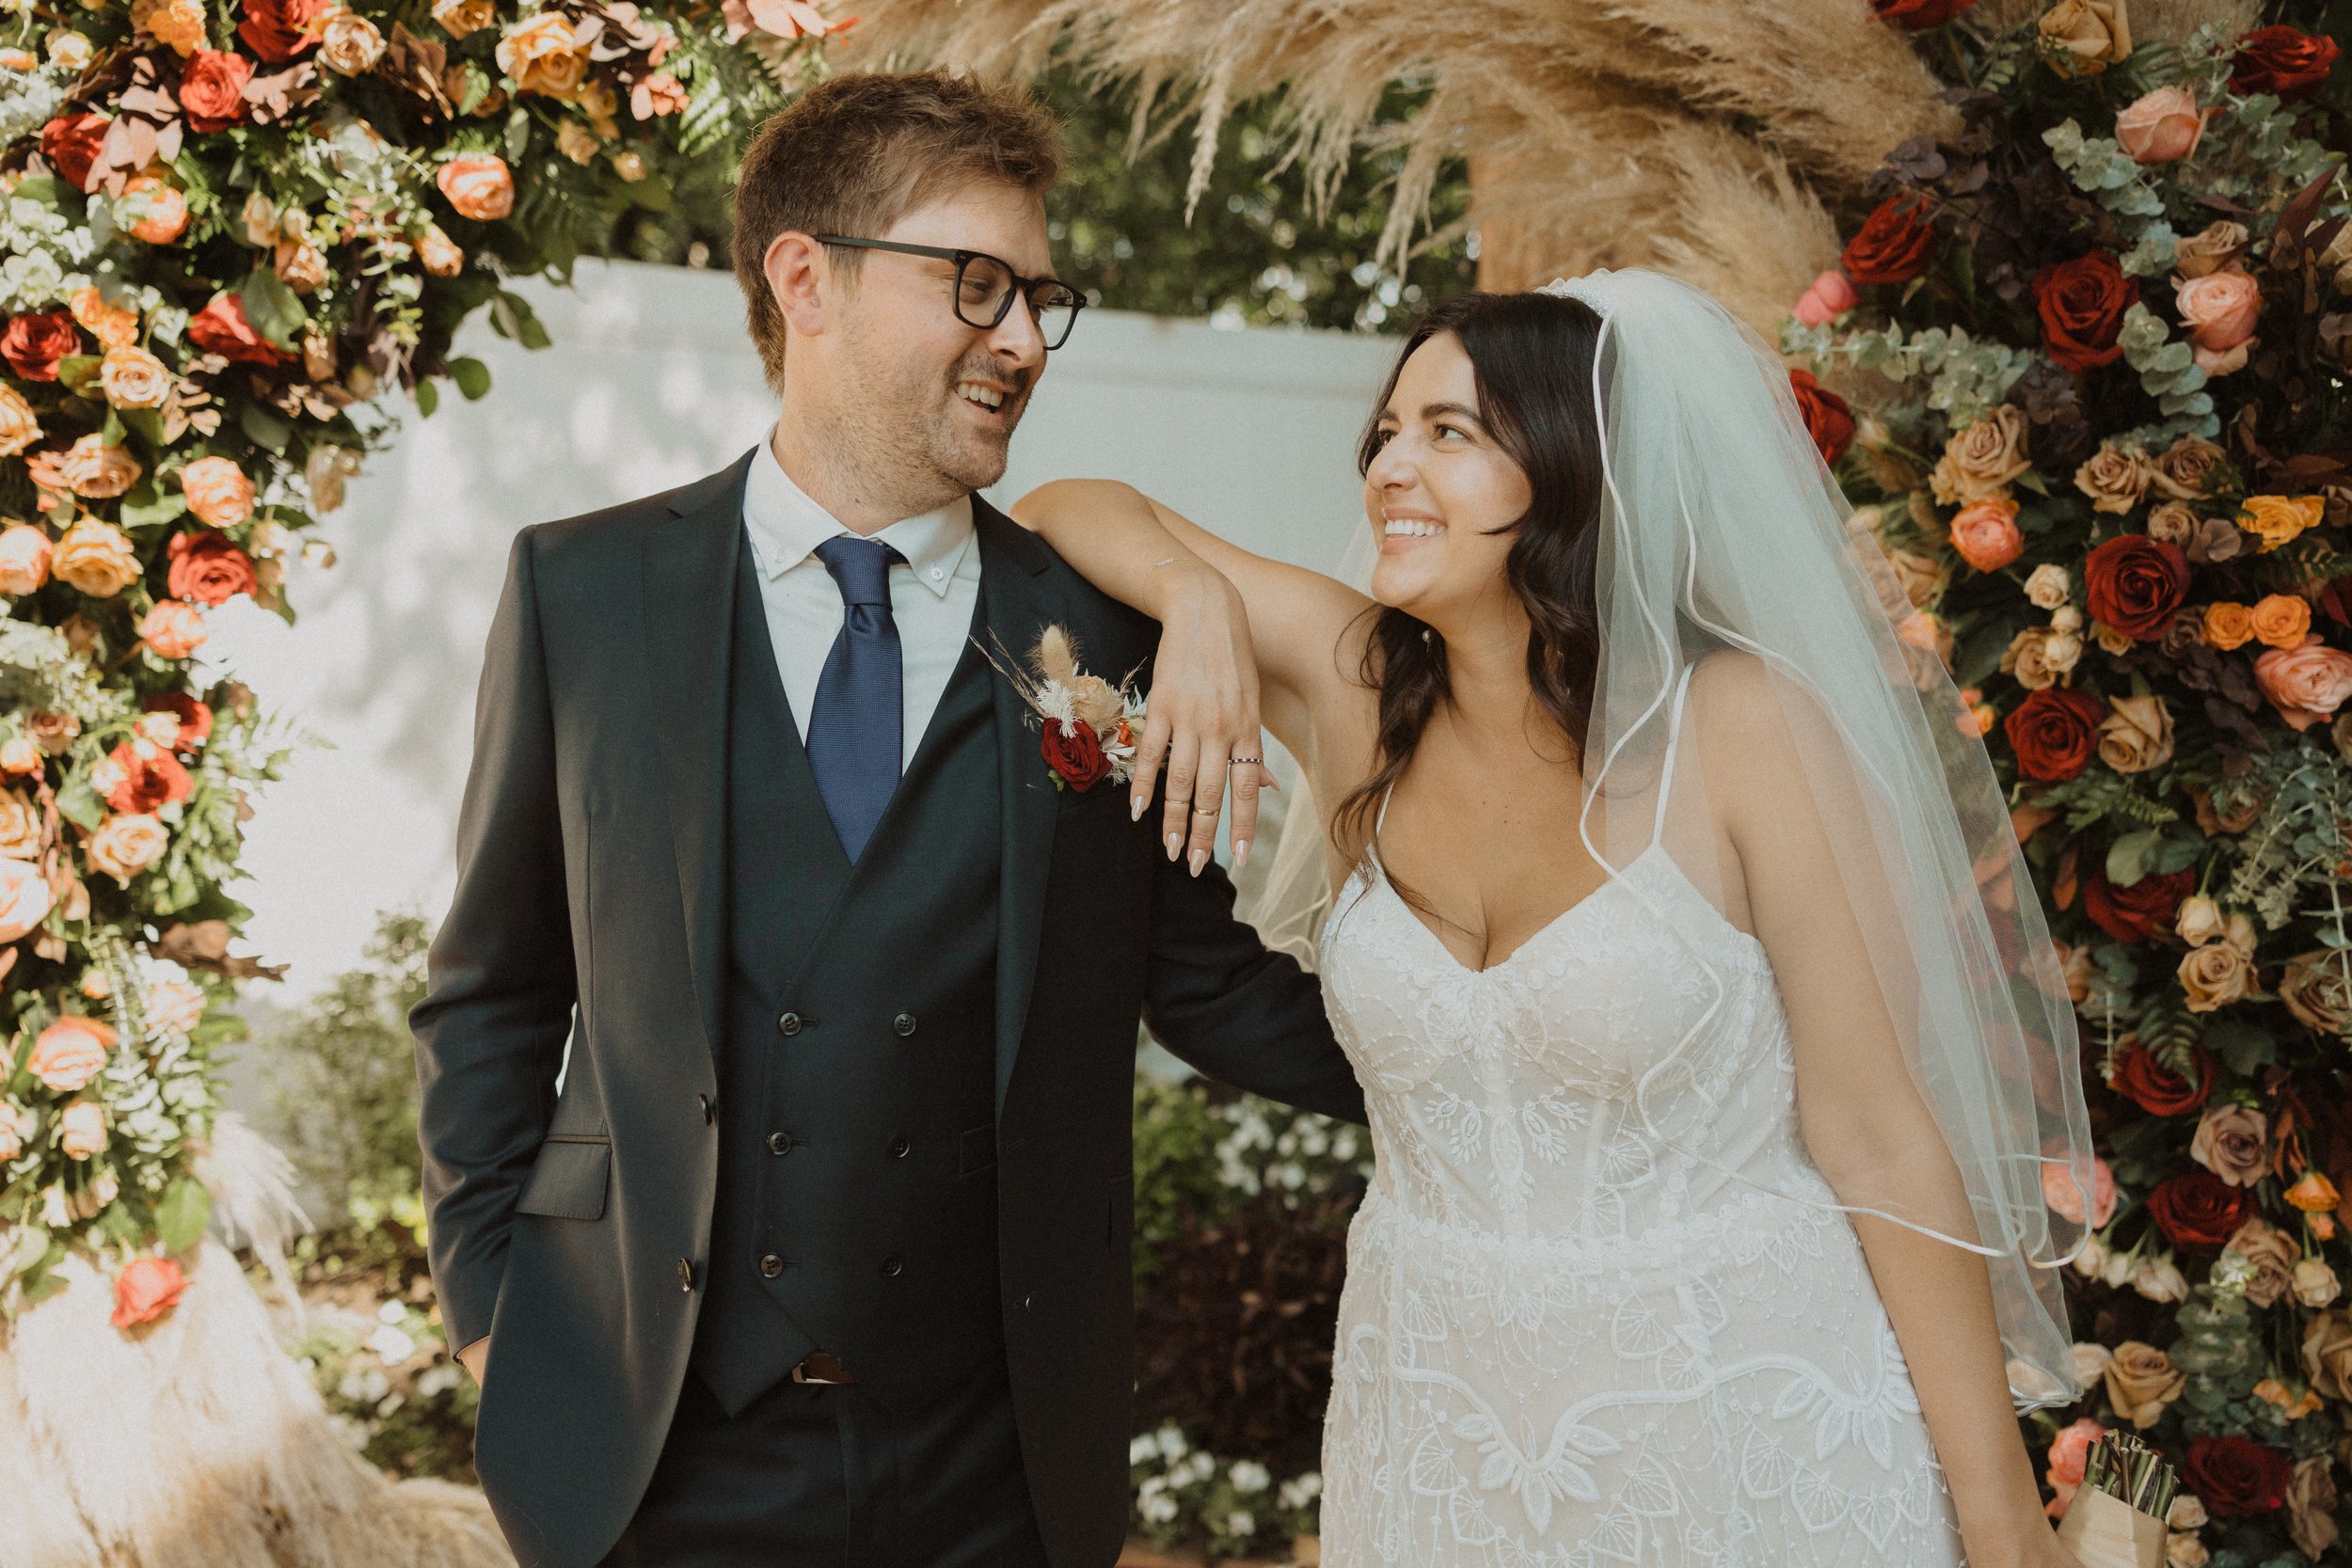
[{"x": 500, "y": 983}]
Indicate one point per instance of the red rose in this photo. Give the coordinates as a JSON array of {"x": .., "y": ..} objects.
[
  {"x": 2156, "y": 1088},
  {"x": 34, "y": 343},
  {"x": 207, "y": 568},
  {"x": 2281, "y": 61},
  {"x": 1827, "y": 419},
  {"x": 2198, "y": 1212},
  {"x": 2235, "y": 1477},
  {"x": 221, "y": 328},
  {"x": 2082, "y": 304},
  {"x": 148, "y": 782},
  {"x": 1918, "y": 14},
  {"x": 276, "y": 29},
  {"x": 196, "y": 719},
  {"x": 1076, "y": 755},
  {"x": 2135, "y": 584},
  {"x": 2054, "y": 733},
  {"x": 71, "y": 145},
  {"x": 1894, "y": 243},
  {"x": 147, "y": 1290},
  {"x": 2141, "y": 912},
  {"x": 212, "y": 88}
]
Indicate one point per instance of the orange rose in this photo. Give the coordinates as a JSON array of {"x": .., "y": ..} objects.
[
  {"x": 2228, "y": 625},
  {"x": 174, "y": 628},
  {"x": 82, "y": 1128},
  {"x": 1986, "y": 534},
  {"x": 440, "y": 255},
  {"x": 2306, "y": 684},
  {"x": 126, "y": 845},
  {"x": 542, "y": 54},
  {"x": 218, "y": 491},
  {"x": 24, "y": 900},
  {"x": 479, "y": 186},
  {"x": 115, "y": 326},
  {"x": 23, "y": 558},
  {"x": 70, "y": 1053},
  {"x": 134, "y": 378},
  {"x": 156, "y": 213},
  {"x": 146, "y": 1290},
  {"x": 96, "y": 471},
  {"x": 96, "y": 557},
  {"x": 2277, "y": 520},
  {"x": 2281, "y": 620}
]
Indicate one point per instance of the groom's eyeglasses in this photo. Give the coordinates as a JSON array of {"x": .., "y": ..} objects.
[{"x": 985, "y": 288}]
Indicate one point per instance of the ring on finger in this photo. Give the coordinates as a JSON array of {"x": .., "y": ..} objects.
[
  {"x": 1240, "y": 761},
  {"x": 1204, "y": 810}
]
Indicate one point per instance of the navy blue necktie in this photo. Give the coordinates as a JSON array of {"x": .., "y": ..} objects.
[{"x": 855, "y": 726}]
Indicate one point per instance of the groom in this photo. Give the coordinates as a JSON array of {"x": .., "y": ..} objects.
[{"x": 814, "y": 1248}]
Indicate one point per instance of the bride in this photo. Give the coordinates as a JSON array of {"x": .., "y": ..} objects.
[{"x": 1717, "y": 1056}]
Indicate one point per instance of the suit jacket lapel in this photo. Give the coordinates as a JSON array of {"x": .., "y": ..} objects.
[
  {"x": 689, "y": 587},
  {"x": 1016, "y": 607}
]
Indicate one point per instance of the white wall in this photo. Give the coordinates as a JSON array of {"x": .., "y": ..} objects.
[{"x": 651, "y": 383}]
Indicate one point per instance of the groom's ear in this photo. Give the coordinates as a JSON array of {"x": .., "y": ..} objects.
[{"x": 802, "y": 280}]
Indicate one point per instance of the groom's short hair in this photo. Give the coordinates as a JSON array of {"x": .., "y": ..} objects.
[{"x": 855, "y": 153}]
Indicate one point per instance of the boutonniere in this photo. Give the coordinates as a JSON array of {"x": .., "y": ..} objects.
[{"x": 1090, "y": 724}]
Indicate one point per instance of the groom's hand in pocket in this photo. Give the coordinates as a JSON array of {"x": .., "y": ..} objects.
[
  {"x": 475, "y": 1357},
  {"x": 1202, "y": 712}
]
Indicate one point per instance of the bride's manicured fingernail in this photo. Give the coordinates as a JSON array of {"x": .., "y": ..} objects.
[
  {"x": 1135, "y": 807},
  {"x": 1175, "y": 841},
  {"x": 1200, "y": 859},
  {"x": 1241, "y": 853}
]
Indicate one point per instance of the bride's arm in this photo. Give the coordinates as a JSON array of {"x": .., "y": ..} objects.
[
  {"x": 1242, "y": 638},
  {"x": 1864, "y": 1121}
]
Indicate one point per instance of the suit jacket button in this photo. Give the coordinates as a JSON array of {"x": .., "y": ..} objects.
[
  {"x": 770, "y": 1266},
  {"x": 900, "y": 1147},
  {"x": 685, "y": 1274},
  {"x": 893, "y": 1268},
  {"x": 788, "y": 1024},
  {"x": 904, "y": 1023},
  {"x": 1028, "y": 1303},
  {"x": 780, "y": 1143},
  {"x": 711, "y": 1112}
]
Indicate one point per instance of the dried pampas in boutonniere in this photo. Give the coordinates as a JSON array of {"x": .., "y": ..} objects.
[{"x": 1090, "y": 724}]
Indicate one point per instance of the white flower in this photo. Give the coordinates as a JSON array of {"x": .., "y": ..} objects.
[
  {"x": 2160, "y": 1279},
  {"x": 1141, "y": 1448},
  {"x": 2091, "y": 1261},
  {"x": 391, "y": 1344},
  {"x": 1159, "y": 1509},
  {"x": 1172, "y": 1442},
  {"x": 1301, "y": 1490},
  {"x": 2047, "y": 588},
  {"x": 2090, "y": 1362},
  {"x": 1248, "y": 1476},
  {"x": 1241, "y": 1523}
]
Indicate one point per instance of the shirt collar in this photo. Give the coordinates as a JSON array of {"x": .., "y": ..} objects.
[{"x": 788, "y": 524}]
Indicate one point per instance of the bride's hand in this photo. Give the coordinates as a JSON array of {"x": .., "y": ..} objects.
[{"x": 1202, "y": 712}]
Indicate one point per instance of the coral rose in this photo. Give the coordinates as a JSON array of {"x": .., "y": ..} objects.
[
  {"x": 33, "y": 343},
  {"x": 2282, "y": 62},
  {"x": 2198, "y": 1212},
  {"x": 2161, "y": 127},
  {"x": 220, "y": 494},
  {"x": 2236, "y": 1477},
  {"x": 135, "y": 780},
  {"x": 2281, "y": 620},
  {"x": 134, "y": 378},
  {"x": 1979, "y": 462},
  {"x": 2140, "y": 911},
  {"x": 1918, "y": 14},
  {"x": 2156, "y": 1088},
  {"x": 221, "y": 328},
  {"x": 71, "y": 144},
  {"x": 25, "y": 899},
  {"x": 2227, "y": 626},
  {"x": 2277, "y": 520},
  {"x": 2141, "y": 1381},
  {"x": 96, "y": 557},
  {"x": 2065, "y": 1196},
  {"x": 146, "y": 1290},
  {"x": 2082, "y": 38},
  {"x": 2307, "y": 683},
  {"x": 2068, "y": 1451},
  {"x": 125, "y": 846},
  {"x": 174, "y": 628},
  {"x": 1827, "y": 419},
  {"x": 206, "y": 568},
  {"x": 2081, "y": 304},
  {"x": 23, "y": 558},
  {"x": 1986, "y": 536},
  {"x": 479, "y": 186},
  {"x": 20, "y": 427},
  {"x": 2135, "y": 584},
  {"x": 212, "y": 88},
  {"x": 2052, "y": 733},
  {"x": 2317, "y": 989},
  {"x": 2115, "y": 478},
  {"x": 278, "y": 30},
  {"x": 151, "y": 211},
  {"x": 70, "y": 1053},
  {"x": 438, "y": 254},
  {"x": 2137, "y": 735},
  {"x": 81, "y": 1128},
  {"x": 1894, "y": 244}
]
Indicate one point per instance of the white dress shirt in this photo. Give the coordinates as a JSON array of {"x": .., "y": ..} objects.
[{"x": 933, "y": 592}]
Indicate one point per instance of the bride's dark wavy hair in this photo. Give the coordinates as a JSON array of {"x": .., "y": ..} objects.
[{"x": 1532, "y": 360}]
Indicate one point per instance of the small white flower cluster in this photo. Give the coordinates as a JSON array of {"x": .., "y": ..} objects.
[
  {"x": 1296, "y": 1153},
  {"x": 1186, "y": 1495}
]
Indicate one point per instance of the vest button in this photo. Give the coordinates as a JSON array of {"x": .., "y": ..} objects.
[
  {"x": 904, "y": 1023},
  {"x": 685, "y": 1274},
  {"x": 893, "y": 1268},
  {"x": 770, "y": 1266},
  {"x": 789, "y": 1024},
  {"x": 900, "y": 1147},
  {"x": 779, "y": 1142}
]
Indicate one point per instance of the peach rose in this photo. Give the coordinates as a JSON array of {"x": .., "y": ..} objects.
[
  {"x": 175, "y": 1005},
  {"x": 301, "y": 266},
  {"x": 2038, "y": 657},
  {"x": 349, "y": 43},
  {"x": 96, "y": 557},
  {"x": 2210, "y": 250},
  {"x": 20, "y": 829},
  {"x": 2315, "y": 1284},
  {"x": 146, "y": 1290},
  {"x": 2272, "y": 1253},
  {"x": 23, "y": 558},
  {"x": 2220, "y": 311},
  {"x": 126, "y": 845},
  {"x": 70, "y": 1053},
  {"x": 2161, "y": 127},
  {"x": 82, "y": 1126},
  {"x": 2082, "y": 38},
  {"x": 440, "y": 255},
  {"x": 2115, "y": 478},
  {"x": 20, "y": 427},
  {"x": 2186, "y": 469},
  {"x": 2281, "y": 620},
  {"x": 543, "y": 54},
  {"x": 459, "y": 17},
  {"x": 2213, "y": 977},
  {"x": 174, "y": 628},
  {"x": 1986, "y": 536},
  {"x": 2327, "y": 1354},
  {"x": 218, "y": 491},
  {"x": 2277, "y": 520},
  {"x": 479, "y": 186},
  {"x": 151, "y": 211},
  {"x": 2306, "y": 684},
  {"x": 19, "y": 756},
  {"x": 576, "y": 142},
  {"x": 2141, "y": 1381},
  {"x": 2317, "y": 989},
  {"x": 134, "y": 378},
  {"x": 1923, "y": 578},
  {"x": 2198, "y": 921},
  {"x": 2174, "y": 522},
  {"x": 2227, "y": 625},
  {"x": 2067, "y": 1452},
  {"x": 1829, "y": 296},
  {"x": 97, "y": 471},
  {"x": 1979, "y": 462},
  {"x": 2233, "y": 1141},
  {"x": 26, "y": 900},
  {"x": 2137, "y": 734},
  {"x": 2065, "y": 1198},
  {"x": 16, "y": 1126}
]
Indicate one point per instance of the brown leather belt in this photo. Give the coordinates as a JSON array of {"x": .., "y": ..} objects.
[{"x": 819, "y": 1367}]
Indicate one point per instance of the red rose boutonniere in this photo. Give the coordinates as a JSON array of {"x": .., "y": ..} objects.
[{"x": 1090, "y": 724}]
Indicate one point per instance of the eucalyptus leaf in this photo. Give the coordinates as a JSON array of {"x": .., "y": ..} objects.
[
  {"x": 471, "y": 375},
  {"x": 186, "y": 1209},
  {"x": 428, "y": 399}
]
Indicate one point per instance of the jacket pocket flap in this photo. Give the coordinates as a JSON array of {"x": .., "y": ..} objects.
[{"x": 569, "y": 1181}]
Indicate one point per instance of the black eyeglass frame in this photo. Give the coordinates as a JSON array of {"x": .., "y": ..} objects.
[{"x": 1021, "y": 286}]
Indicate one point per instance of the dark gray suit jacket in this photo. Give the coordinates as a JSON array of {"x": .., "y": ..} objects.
[{"x": 572, "y": 1225}]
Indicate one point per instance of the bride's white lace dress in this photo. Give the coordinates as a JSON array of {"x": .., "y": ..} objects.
[{"x": 1563, "y": 1343}]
